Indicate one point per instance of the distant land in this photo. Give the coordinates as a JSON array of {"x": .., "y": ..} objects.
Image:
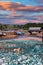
[{"x": 17, "y": 26}]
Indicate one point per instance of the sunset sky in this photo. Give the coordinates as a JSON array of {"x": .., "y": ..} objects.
[{"x": 21, "y": 11}]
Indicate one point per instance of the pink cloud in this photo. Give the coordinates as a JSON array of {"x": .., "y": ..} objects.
[
  {"x": 25, "y": 21},
  {"x": 35, "y": 21},
  {"x": 20, "y": 21}
]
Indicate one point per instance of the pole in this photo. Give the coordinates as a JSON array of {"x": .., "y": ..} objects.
[{"x": 42, "y": 34}]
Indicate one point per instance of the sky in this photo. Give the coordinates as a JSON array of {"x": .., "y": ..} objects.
[{"x": 21, "y": 11}]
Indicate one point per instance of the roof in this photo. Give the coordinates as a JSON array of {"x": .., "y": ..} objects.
[
  {"x": 18, "y": 32},
  {"x": 9, "y": 31},
  {"x": 34, "y": 28}
]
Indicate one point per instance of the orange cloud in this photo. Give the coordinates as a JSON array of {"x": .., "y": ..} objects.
[
  {"x": 5, "y": 5},
  {"x": 9, "y": 5},
  {"x": 38, "y": 8},
  {"x": 18, "y": 6},
  {"x": 25, "y": 8},
  {"x": 13, "y": 13}
]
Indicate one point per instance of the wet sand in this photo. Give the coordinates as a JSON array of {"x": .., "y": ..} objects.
[
  {"x": 30, "y": 38},
  {"x": 27, "y": 36}
]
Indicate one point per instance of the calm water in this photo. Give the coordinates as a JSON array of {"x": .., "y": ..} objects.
[{"x": 30, "y": 53}]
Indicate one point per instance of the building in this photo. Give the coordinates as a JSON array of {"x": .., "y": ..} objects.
[{"x": 34, "y": 29}]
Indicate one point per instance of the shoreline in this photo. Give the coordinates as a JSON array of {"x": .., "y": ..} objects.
[
  {"x": 23, "y": 38},
  {"x": 30, "y": 38}
]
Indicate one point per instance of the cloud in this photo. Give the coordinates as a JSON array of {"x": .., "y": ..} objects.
[
  {"x": 39, "y": 1},
  {"x": 19, "y": 7},
  {"x": 14, "y": 16},
  {"x": 32, "y": 19},
  {"x": 20, "y": 21},
  {"x": 35, "y": 19},
  {"x": 9, "y": 5},
  {"x": 16, "y": 13}
]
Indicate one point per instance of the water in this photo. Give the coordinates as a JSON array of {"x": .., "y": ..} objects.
[{"x": 28, "y": 52}]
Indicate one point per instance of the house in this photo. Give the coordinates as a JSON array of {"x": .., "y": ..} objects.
[{"x": 34, "y": 29}]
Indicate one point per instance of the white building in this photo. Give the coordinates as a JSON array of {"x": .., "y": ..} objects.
[{"x": 34, "y": 29}]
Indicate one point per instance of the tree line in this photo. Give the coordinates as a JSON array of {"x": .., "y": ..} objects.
[{"x": 26, "y": 26}]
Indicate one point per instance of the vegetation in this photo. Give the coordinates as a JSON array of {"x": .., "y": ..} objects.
[{"x": 26, "y": 26}]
